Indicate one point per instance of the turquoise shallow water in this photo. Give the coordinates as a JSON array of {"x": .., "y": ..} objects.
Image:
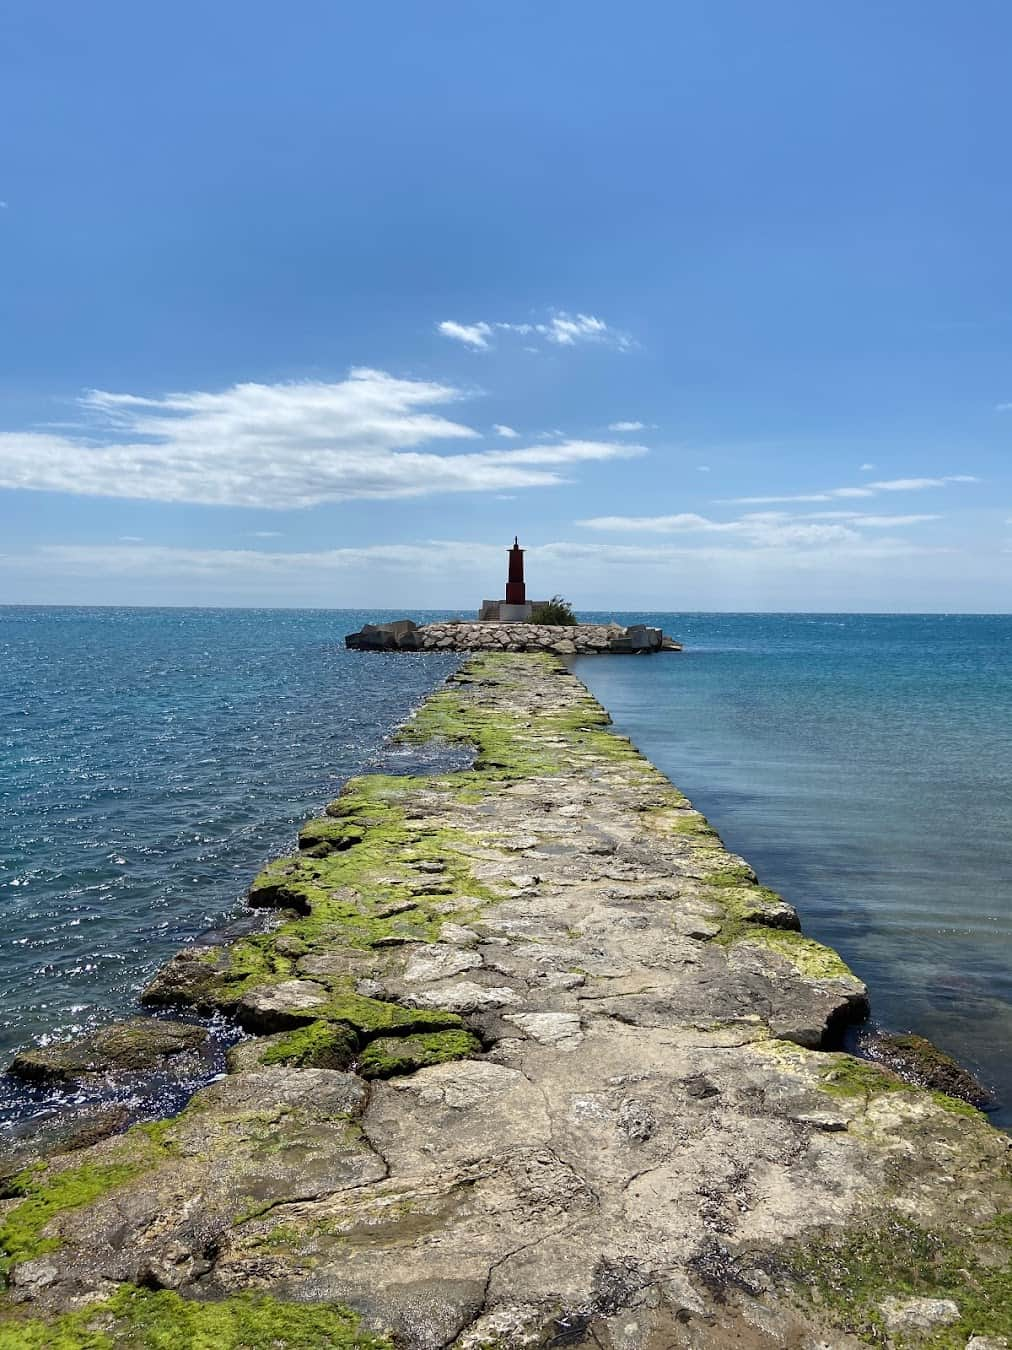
[
  {"x": 863, "y": 765},
  {"x": 151, "y": 760}
]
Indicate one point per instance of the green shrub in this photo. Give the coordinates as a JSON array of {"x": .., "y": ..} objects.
[{"x": 555, "y": 611}]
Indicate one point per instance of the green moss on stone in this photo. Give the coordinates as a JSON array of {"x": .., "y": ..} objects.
[
  {"x": 367, "y": 895},
  {"x": 362, "y": 895},
  {"x": 156, "y": 1131},
  {"x": 370, "y": 1017},
  {"x": 846, "y": 1076},
  {"x": 321, "y": 1045},
  {"x": 251, "y": 961},
  {"x": 728, "y": 871},
  {"x": 389, "y": 1055},
  {"x": 131, "y": 1045},
  {"x": 369, "y": 798},
  {"x": 956, "y": 1107},
  {"x": 162, "y": 1320},
  {"x": 328, "y": 834},
  {"x": 690, "y": 824},
  {"x": 849, "y": 1274},
  {"x": 808, "y": 957},
  {"x": 47, "y": 1193},
  {"x": 509, "y": 745}
]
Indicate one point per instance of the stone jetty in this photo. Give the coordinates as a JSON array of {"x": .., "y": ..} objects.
[
  {"x": 466, "y": 635},
  {"x": 532, "y": 1061}
]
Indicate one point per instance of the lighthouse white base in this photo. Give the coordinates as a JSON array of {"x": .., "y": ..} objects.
[{"x": 497, "y": 611}]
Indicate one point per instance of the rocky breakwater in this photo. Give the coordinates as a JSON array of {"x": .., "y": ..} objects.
[
  {"x": 532, "y": 1061},
  {"x": 582, "y": 639}
]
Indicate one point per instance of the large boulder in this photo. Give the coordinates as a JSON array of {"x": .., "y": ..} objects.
[
  {"x": 400, "y": 628},
  {"x": 191, "y": 978},
  {"x": 136, "y": 1045},
  {"x": 917, "y": 1060},
  {"x": 384, "y": 637},
  {"x": 641, "y": 638}
]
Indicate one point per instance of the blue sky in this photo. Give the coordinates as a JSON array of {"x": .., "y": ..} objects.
[{"x": 321, "y": 304}]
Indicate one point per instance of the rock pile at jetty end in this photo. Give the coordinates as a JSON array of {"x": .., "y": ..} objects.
[
  {"x": 531, "y": 1060},
  {"x": 580, "y": 639}
]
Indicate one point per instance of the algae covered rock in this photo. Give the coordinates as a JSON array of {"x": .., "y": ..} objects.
[
  {"x": 136, "y": 1045},
  {"x": 325, "y": 834},
  {"x": 389, "y": 1055},
  {"x": 270, "y": 888},
  {"x": 190, "y": 978},
  {"x": 159, "y": 1317},
  {"x": 178, "y": 1189},
  {"x": 321, "y": 1045},
  {"x": 917, "y": 1060},
  {"x": 69, "y": 1128}
]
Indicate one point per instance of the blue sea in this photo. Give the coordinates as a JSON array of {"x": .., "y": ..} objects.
[{"x": 152, "y": 759}]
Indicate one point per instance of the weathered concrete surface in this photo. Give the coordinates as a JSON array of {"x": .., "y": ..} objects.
[
  {"x": 627, "y": 1130},
  {"x": 582, "y": 639}
]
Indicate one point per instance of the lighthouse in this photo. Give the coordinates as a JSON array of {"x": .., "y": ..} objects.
[
  {"x": 516, "y": 608},
  {"x": 516, "y": 591}
]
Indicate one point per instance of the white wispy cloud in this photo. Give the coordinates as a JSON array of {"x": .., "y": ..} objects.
[
  {"x": 867, "y": 468},
  {"x": 702, "y": 468},
  {"x": 871, "y": 521},
  {"x": 627, "y": 426},
  {"x": 829, "y": 549},
  {"x": 281, "y": 446},
  {"x": 506, "y": 432},
  {"x": 1003, "y": 407},
  {"x": 564, "y": 452},
  {"x": 560, "y": 329},
  {"x": 568, "y": 329},
  {"x": 471, "y": 334},
  {"x": 763, "y": 529},
  {"x": 767, "y": 529},
  {"x": 868, "y": 490}
]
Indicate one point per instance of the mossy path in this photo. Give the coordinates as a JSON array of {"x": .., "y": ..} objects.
[{"x": 532, "y": 1060}]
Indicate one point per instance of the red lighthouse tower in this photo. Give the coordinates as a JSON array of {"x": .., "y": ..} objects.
[{"x": 516, "y": 591}]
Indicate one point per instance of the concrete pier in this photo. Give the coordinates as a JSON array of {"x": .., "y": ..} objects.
[{"x": 532, "y": 1060}]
